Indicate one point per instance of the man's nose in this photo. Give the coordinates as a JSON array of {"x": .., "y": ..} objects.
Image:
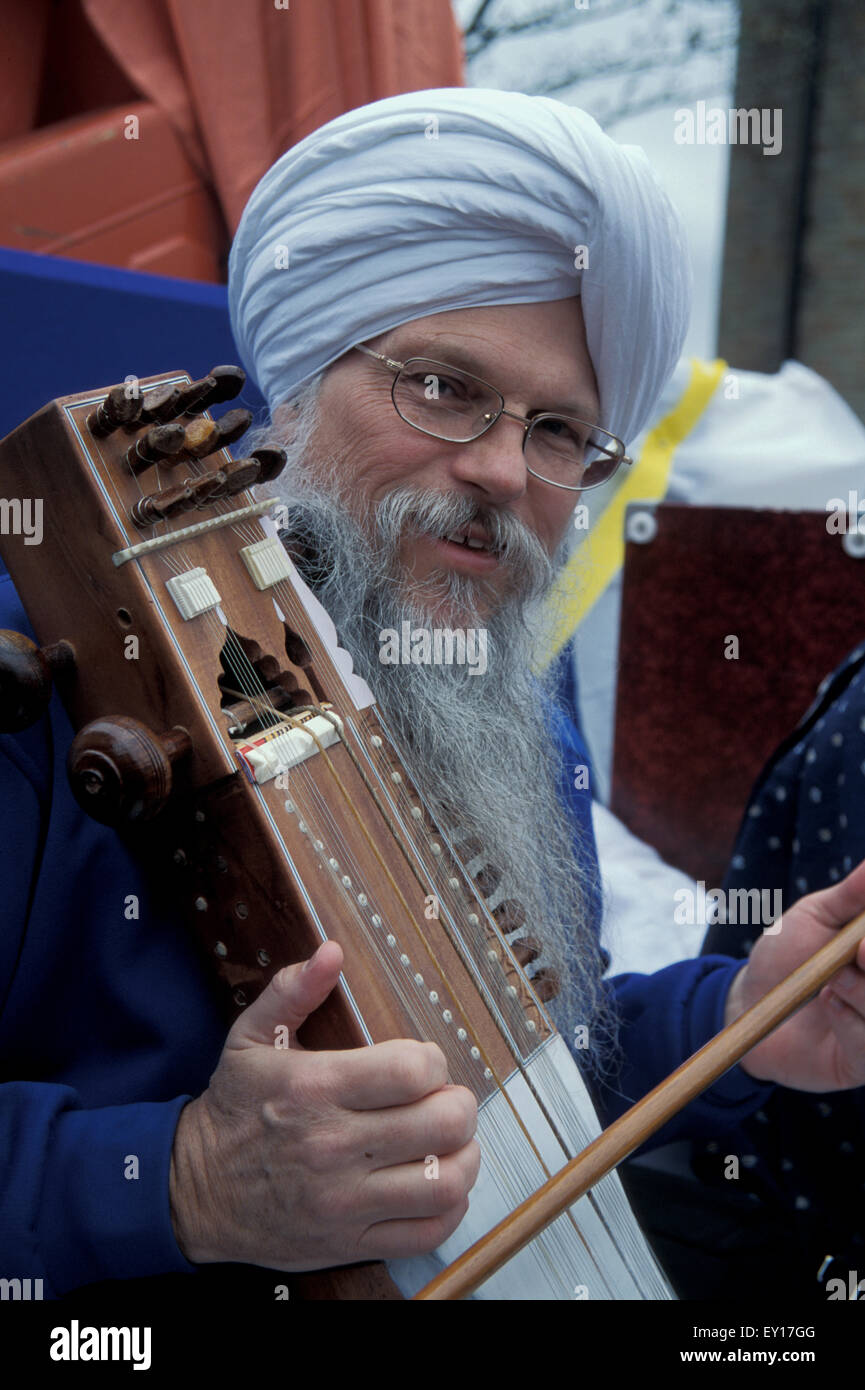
[{"x": 494, "y": 463}]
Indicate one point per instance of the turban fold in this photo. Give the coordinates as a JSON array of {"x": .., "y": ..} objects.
[{"x": 454, "y": 198}]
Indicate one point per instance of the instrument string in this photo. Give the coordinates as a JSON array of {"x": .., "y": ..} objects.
[{"x": 509, "y": 1176}]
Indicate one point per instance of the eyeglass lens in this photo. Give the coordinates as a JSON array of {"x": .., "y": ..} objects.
[{"x": 456, "y": 406}]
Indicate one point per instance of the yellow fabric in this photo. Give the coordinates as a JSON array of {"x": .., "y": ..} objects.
[{"x": 593, "y": 564}]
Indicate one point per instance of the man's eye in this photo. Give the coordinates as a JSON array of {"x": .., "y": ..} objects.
[
  {"x": 435, "y": 386},
  {"x": 563, "y": 434}
]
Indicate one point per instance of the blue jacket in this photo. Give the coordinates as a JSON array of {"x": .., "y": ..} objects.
[{"x": 108, "y": 1025}]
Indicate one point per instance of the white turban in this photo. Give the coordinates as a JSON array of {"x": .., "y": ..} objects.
[{"x": 454, "y": 198}]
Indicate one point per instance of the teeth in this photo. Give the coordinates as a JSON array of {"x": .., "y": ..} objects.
[{"x": 460, "y": 538}]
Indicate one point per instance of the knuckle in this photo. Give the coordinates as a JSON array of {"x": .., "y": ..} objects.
[
  {"x": 415, "y": 1067},
  {"x": 450, "y": 1190},
  {"x": 459, "y": 1118}
]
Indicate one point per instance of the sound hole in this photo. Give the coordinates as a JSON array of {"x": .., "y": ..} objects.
[{"x": 255, "y": 686}]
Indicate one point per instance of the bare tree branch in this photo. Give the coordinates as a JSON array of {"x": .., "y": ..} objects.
[
  {"x": 547, "y": 20},
  {"x": 474, "y": 22},
  {"x": 670, "y": 43}
]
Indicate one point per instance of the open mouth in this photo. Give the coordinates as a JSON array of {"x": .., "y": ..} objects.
[{"x": 456, "y": 538}]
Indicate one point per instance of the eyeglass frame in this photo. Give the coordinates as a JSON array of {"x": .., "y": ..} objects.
[{"x": 527, "y": 422}]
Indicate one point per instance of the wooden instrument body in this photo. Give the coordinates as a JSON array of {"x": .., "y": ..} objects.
[{"x": 256, "y": 881}]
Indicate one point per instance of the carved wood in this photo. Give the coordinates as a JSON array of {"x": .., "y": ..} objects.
[{"x": 239, "y": 867}]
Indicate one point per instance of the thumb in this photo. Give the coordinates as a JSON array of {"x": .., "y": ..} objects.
[
  {"x": 292, "y": 995},
  {"x": 836, "y": 906}
]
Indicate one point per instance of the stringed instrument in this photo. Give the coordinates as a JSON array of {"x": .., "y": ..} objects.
[{"x": 223, "y": 732}]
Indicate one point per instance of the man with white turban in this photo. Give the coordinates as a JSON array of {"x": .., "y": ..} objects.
[{"x": 461, "y": 306}]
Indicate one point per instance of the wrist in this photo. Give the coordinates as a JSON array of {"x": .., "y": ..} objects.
[{"x": 186, "y": 1189}]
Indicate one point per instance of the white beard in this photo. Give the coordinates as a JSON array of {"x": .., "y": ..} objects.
[{"x": 477, "y": 745}]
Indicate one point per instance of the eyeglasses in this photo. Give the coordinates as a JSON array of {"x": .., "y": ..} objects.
[{"x": 451, "y": 404}]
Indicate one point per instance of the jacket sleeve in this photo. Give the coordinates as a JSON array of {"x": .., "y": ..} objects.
[
  {"x": 664, "y": 1018},
  {"x": 83, "y": 1192}
]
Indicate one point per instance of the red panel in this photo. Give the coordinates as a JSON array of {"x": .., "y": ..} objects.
[{"x": 693, "y": 729}]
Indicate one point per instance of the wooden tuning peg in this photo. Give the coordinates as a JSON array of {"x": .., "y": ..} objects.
[
  {"x": 121, "y": 772},
  {"x": 27, "y": 673},
  {"x": 510, "y": 915},
  {"x": 160, "y": 404},
  {"x": 231, "y": 426},
  {"x": 220, "y": 384},
  {"x": 118, "y": 408},
  {"x": 272, "y": 461},
  {"x": 525, "y": 950},
  {"x": 546, "y": 984},
  {"x": 158, "y": 444},
  {"x": 228, "y": 383}
]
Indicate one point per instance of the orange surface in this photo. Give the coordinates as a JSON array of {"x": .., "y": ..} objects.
[
  {"x": 82, "y": 189},
  {"x": 222, "y": 88}
]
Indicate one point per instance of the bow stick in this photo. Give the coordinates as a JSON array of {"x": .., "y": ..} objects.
[{"x": 627, "y": 1133}]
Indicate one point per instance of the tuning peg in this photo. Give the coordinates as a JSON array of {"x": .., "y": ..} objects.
[
  {"x": 510, "y": 915},
  {"x": 121, "y": 772},
  {"x": 158, "y": 444},
  {"x": 199, "y": 439},
  {"x": 222, "y": 384},
  {"x": 525, "y": 950},
  {"x": 232, "y": 425},
  {"x": 27, "y": 673},
  {"x": 118, "y": 408},
  {"x": 204, "y": 437},
  {"x": 239, "y": 475},
  {"x": 546, "y": 985},
  {"x": 195, "y": 492},
  {"x": 272, "y": 461},
  {"x": 160, "y": 404},
  {"x": 159, "y": 505}
]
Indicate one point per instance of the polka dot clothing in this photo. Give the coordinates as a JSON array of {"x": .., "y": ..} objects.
[{"x": 803, "y": 1154}]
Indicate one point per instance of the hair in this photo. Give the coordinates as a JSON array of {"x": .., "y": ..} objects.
[{"x": 479, "y": 749}]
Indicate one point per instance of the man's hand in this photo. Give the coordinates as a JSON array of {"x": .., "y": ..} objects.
[
  {"x": 822, "y": 1047},
  {"x": 302, "y": 1160}
]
